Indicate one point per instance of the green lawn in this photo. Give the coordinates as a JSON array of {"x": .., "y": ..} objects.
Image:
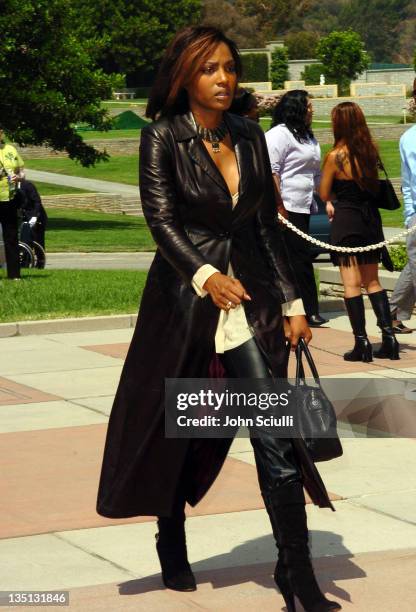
[
  {"x": 52, "y": 294},
  {"x": 121, "y": 169},
  {"x": 125, "y": 169},
  {"x": 78, "y": 231},
  {"x": 392, "y": 218},
  {"x": 110, "y": 135},
  {"x": 47, "y": 189},
  {"x": 124, "y": 103}
]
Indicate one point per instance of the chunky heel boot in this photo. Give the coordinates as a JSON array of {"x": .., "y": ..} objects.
[
  {"x": 294, "y": 573},
  {"x": 362, "y": 350},
  {"x": 389, "y": 348},
  {"x": 172, "y": 553}
]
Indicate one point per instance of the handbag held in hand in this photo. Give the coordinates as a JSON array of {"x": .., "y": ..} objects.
[{"x": 316, "y": 421}]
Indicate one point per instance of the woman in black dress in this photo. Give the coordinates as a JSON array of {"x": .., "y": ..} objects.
[
  {"x": 216, "y": 289},
  {"x": 349, "y": 183}
]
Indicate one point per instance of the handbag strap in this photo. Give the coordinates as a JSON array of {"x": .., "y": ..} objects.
[
  {"x": 302, "y": 349},
  {"x": 381, "y": 165}
]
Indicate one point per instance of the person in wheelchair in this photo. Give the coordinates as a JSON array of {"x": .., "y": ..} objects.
[{"x": 32, "y": 211}]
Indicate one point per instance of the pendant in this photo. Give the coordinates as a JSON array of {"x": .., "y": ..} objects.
[{"x": 215, "y": 147}]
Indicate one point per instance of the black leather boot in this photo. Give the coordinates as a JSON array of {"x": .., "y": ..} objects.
[
  {"x": 389, "y": 348},
  {"x": 294, "y": 572},
  {"x": 362, "y": 350},
  {"x": 172, "y": 553}
]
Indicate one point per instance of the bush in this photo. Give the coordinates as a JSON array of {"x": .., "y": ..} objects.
[
  {"x": 255, "y": 67},
  {"x": 279, "y": 68},
  {"x": 398, "y": 256},
  {"x": 266, "y": 104},
  {"x": 301, "y": 45},
  {"x": 312, "y": 74}
]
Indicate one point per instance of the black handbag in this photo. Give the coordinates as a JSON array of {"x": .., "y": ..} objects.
[
  {"x": 315, "y": 419},
  {"x": 386, "y": 196}
]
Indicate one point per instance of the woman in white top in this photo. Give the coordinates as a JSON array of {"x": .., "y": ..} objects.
[{"x": 295, "y": 157}]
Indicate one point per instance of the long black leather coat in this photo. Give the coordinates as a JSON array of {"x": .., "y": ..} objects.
[{"x": 188, "y": 208}]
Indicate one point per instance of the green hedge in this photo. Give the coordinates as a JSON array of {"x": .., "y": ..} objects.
[
  {"x": 312, "y": 74},
  {"x": 279, "y": 68},
  {"x": 398, "y": 256},
  {"x": 255, "y": 67}
]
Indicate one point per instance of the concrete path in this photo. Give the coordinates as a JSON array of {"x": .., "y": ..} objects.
[
  {"x": 82, "y": 183},
  {"x": 95, "y": 261},
  {"x": 56, "y": 393}
]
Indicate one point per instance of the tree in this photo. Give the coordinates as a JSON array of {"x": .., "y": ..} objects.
[
  {"x": 47, "y": 82},
  {"x": 275, "y": 16},
  {"x": 301, "y": 45},
  {"x": 343, "y": 57},
  {"x": 376, "y": 21},
  {"x": 130, "y": 37},
  {"x": 279, "y": 68},
  {"x": 244, "y": 30}
]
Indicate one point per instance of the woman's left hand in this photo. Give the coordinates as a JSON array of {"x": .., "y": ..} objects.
[{"x": 296, "y": 327}]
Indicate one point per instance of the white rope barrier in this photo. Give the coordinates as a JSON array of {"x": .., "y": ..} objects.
[{"x": 339, "y": 249}]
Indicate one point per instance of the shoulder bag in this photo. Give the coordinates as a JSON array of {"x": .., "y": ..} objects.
[
  {"x": 316, "y": 421},
  {"x": 386, "y": 196}
]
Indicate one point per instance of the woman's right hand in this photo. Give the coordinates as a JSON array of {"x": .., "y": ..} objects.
[
  {"x": 225, "y": 292},
  {"x": 330, "y": 210}
]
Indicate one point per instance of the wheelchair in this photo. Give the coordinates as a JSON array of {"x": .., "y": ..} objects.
[{"x": 31, "y": 253}]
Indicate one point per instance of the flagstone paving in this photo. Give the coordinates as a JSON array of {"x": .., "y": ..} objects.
[{"x": 56, "y": 392}]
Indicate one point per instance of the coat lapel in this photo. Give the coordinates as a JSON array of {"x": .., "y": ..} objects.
[
  {"x": 240, "y": 137},
  {"x": 184, "y": 128},
  {"x": 201, "y": 157}
]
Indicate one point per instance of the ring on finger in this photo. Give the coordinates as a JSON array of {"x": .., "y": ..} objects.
[{"x": 228, "y": 305}]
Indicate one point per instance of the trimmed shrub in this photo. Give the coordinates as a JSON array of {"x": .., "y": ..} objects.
[
  {"x": 255, "y": 67},
  {"x": 279, "y": 68},
  {"x": 312, "y": 74}
]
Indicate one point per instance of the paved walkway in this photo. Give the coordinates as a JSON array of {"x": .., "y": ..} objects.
[
  {"x": 96, "y": 261},
  {"x": 82, "y": 183},
  {"x": 56, "y": 392}
]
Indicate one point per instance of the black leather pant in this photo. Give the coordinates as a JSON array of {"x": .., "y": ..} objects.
[{"x": 275, "y": 458}]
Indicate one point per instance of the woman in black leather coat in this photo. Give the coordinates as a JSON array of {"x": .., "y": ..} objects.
[{"x": 216, "y": 288}]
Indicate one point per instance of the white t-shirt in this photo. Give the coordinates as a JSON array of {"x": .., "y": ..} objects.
[{"x": 297, "y": 164}]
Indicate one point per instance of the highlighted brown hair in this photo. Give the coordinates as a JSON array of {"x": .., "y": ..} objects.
[
  {"x": 183, "y": 58},
  {"x": 350, "y": 128}
]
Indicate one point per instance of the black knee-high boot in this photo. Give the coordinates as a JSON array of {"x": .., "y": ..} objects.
[
  {"x": 389, "y": 348},
  {"x": 362, "y": 350},
  {"x": 171, "y": 549},
  {"x": 294, "y": 572}
]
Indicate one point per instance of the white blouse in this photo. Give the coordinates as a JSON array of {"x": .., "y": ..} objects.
[
  {"x": 298, "y": 165},
  {"x": 232, "y": 329}
]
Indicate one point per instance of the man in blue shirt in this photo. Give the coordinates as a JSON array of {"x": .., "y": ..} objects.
[{"x": 404, "y": 295}]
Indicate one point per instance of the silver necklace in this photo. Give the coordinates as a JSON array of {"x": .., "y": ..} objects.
[{"x": 213, "y": 135}]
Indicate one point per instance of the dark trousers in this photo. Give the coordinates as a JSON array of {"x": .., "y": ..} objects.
[
  {"x": 275, "y": 458},
  {"x": 301, "y": 260},
  {"x": 8, "y": 220}
]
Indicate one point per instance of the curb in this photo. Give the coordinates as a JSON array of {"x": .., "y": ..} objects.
[
  {"x": 59, "y": 326},
  {"x": 123, "y": 321}
]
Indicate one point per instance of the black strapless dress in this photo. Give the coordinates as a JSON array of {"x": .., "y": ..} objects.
[{"x": 356, "y": 222}]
